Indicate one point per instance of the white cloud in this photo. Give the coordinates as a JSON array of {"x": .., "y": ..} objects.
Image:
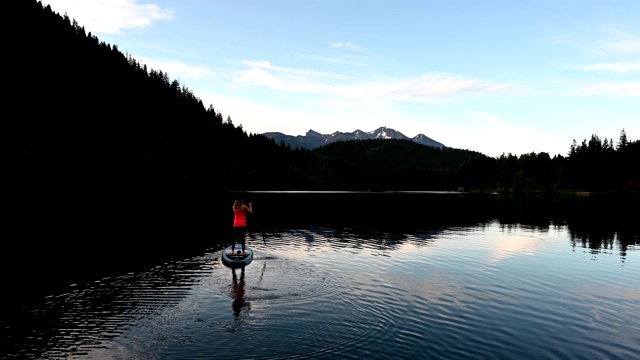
[
  {"x": 264, "y": 74},
  {"x": 492, "y": 136},
  {"x": 433, "y": 87},
  {"x": 110, "y": 16},
  {"x": 177, "y": 69},
  {"x": 623, "y": 68},
  {"x": 260, "y": 118},
  {"x": 612, "y": 42},
  {"x": 345, "y": 45},
  {"x": 620, "y": 42},
  {"x": 611, "y": 89},
  {"x": 600, "y": 40},
  {"x": 349, "y": 49},
  {"x": 428, "y": 88}
]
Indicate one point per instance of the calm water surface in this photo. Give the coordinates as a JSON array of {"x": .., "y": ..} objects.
[{"x": 488, "y": 290}]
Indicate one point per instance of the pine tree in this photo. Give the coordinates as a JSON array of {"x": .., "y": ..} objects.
[{"x": 623, "y": 142}]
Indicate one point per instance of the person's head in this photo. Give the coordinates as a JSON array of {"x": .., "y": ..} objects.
[{"x": 237, "y": 204}]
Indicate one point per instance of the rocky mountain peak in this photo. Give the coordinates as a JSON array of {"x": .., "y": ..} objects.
[{"x": 314, "y": 139}]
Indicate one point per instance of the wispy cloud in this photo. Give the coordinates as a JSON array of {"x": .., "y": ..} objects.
[
  {"x": 625, "y": 89},
  {"x": 110, "y": 16},
  {"x": 602, "y": 40},
  {"x": 623, "y": 68},
  {"x": 349, "y": 49},
  {"x": 498, "y": 135},
  {"x": 345, "y": 45},
  {"x": 433, "y": 87},
  {"x": 264, "y": 74},
  {"x": 177, "y": 69},
  {"x": 619, "y": 42}
]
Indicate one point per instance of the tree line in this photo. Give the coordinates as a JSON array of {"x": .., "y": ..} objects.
[{"x": 594, "y": 165}]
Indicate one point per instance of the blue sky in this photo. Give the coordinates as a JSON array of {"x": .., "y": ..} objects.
[{"x": 491, "y": 76}]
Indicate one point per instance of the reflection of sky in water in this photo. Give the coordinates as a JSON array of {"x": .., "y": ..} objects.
[
  {"x": 496, "y": 242},
  {"x": 460, "y": 264}
]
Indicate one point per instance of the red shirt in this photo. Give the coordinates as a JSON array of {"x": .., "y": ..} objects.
[{"x": 239, "y": 218}]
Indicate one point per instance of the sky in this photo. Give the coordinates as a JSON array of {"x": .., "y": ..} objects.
[{"x": 497, "y": 77}]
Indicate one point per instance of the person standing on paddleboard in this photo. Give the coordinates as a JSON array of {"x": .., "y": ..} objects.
[{"x": 240, "y": 211}]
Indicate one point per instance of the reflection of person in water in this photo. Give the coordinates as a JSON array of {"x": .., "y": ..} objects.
[{"x": 238, "y": 293}]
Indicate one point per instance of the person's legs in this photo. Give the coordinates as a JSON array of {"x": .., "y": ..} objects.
[
  {"x": 243, "y": 238},
  {"x": 234, "y": 237}
]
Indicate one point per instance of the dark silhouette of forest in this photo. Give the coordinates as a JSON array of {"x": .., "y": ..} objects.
[{"x": 104, "y": 145}]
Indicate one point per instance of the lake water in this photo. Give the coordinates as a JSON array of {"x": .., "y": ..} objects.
[{"x": 353, "y": 276}]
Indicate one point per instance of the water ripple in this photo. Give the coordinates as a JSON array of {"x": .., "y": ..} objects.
[{"x": 327, "y": 292}]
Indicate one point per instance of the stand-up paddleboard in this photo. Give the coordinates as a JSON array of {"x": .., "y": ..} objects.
[{"x": 237, "y": 258}]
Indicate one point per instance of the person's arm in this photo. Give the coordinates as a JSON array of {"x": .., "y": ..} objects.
[{"x": 249, "y": 208}]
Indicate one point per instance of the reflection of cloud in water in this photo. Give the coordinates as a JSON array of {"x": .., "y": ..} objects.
[
  {"x": 502, "y": 243},
  {"x": 515, "y": 245}
]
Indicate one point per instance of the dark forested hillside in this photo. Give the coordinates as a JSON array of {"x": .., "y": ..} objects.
[
  {"x": 100, "y": 121},
  {"x": 391, "y": 164}
]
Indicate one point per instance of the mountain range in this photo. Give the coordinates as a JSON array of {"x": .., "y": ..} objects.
[{"x": 313, "y": 139}]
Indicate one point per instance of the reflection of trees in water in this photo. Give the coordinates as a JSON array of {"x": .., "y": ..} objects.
[
  {"x": 595, "y": 235},
  {"x": 379, "y": 211},
  {"x": 602, "y": 224},
  {"x": 539, "y": 212},
  {"x": 596, "y": 222}
]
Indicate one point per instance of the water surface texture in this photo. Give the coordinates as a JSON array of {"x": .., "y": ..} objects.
[{"x": 324, "y": 290}]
